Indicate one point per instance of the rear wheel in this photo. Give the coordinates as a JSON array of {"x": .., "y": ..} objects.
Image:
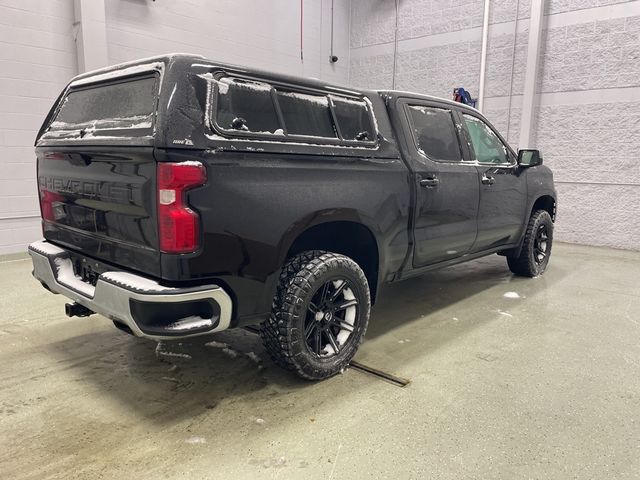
[
  {"x": 536, "y": 248},
  {"x": 319, "y": 316}
]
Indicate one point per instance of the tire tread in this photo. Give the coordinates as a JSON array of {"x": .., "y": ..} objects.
[
  {"x": 524, "y": 264},
  {"x": 295, "y": 282}
]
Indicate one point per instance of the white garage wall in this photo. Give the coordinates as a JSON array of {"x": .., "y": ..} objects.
[
  {"x": 38, "y": 57},
  {"x": 257, "y": 33},
  {"x": 588, "y": 124}
]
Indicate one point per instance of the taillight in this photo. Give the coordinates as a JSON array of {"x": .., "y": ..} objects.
[
  {"x": 178, "y": 225},
  {"x": 50, "y": 205}
]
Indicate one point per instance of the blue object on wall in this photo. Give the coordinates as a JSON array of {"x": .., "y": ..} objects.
[{"x": 463, "y": 96}]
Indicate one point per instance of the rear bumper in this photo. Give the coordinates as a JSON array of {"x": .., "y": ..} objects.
[{"x": 147, "y": 308}]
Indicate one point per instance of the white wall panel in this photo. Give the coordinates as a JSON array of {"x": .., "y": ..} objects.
[
  {"x": 589, "y": 90},
  {"x": 250, "y": 32},
  {"x": 37, "y": 58}
]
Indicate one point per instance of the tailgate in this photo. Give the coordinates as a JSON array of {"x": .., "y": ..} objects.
[
  {"x": 102, "y": 204},
  {"x": 97, "y": 172}
]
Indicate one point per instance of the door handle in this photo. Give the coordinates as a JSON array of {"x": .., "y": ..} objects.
[
  {"x": 487, "y": 180},
  {"x": 429, "y": 182}
]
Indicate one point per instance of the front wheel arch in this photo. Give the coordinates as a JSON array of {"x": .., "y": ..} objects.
[
  {"x": 533, "y": 258},
  {"x": 546, "y": 202}
]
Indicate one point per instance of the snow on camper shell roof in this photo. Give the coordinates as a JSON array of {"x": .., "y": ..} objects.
[
  {"x": 117, "y": 69},
  {"x": 201, "y": 61}
]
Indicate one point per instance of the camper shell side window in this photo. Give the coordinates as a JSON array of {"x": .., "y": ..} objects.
[{"x": 261, "y": 110}]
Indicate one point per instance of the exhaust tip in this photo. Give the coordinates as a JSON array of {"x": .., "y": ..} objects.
[{"x": 77, "y": 310}]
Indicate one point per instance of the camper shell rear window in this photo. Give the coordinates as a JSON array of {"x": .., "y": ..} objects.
[
  {"x": 124, "y": 107},
  {"x": 254, "y": 108}
]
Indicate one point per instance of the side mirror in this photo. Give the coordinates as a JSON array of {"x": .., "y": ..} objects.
[{"x": 529, "y": 158}]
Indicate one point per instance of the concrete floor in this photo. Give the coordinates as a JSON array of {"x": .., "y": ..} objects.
[{"x": 546, "y": 385}]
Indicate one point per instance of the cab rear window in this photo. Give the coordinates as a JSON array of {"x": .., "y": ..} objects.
[
  {"x": 245, "y": 107},
  {"x": 122, "y": 108}
]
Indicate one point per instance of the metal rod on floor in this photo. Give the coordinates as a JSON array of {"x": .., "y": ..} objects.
[
  {"x": 398, "y": 381},
  {"x": 393, "y": 379}
]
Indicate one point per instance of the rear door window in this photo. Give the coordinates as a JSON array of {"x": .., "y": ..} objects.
[
  {"x": 123, "y": 108},
  {"x": 435, "y": 133}
]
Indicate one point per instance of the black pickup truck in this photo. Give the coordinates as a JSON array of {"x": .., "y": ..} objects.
[{"x": 181, "y": 196}]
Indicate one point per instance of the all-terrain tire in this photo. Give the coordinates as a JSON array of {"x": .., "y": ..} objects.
[
  {"x": 285, "y": 332},
  {"x": 536, "y": 248}
]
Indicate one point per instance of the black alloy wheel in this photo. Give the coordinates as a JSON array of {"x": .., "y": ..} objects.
[
  {"x": 330, "y": 318},
  {"x": 533, "y": 257},
  {"x": 320, "y": 314},
  {"x": 540, "y": 244}
]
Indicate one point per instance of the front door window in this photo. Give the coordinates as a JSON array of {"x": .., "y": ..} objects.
[{"x": 485, "y": 144}]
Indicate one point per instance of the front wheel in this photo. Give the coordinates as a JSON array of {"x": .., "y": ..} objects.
[
  {"x": 536, "y": 248},
  {"x": 319, "y": 316}
]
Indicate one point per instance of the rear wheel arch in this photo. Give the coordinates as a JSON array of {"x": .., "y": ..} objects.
[{"x": 346, "y": 237}]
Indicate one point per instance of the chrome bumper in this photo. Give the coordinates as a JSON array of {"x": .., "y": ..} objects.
[{"x": 115, "y": 293}]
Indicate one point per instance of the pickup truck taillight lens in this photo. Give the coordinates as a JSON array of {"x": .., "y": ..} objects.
[
  {"x": 178, "y": 225},
  {"x": 48, "y": 204}
]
